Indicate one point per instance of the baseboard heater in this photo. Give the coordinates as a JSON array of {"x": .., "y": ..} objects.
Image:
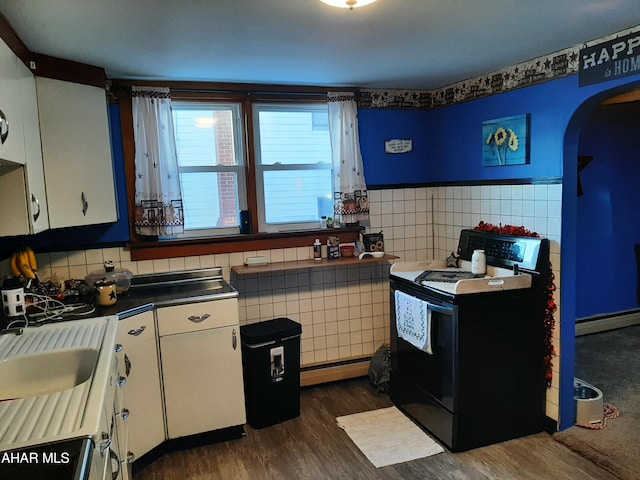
[
  {"x": 332, "y": 372},
  {"x": 602, "y": 323}
]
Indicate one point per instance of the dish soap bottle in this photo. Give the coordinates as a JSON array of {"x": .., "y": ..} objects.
[{"x": 317, "y": 250}]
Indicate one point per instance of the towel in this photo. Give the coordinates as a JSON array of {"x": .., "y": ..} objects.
[{"x": 413, "y": 321}]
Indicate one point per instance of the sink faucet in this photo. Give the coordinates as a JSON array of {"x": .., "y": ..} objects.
[{"x": 15, "y": 330}]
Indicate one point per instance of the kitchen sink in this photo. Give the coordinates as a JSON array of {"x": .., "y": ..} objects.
[
  {"x": 46, "y": 372},
  {"x": 55, "y": 381}
]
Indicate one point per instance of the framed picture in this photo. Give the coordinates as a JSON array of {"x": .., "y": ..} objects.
[{"x": 505, "y": 141}]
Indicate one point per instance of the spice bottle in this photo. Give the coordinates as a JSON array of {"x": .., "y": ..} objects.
[{"x": 317, "y": 250}]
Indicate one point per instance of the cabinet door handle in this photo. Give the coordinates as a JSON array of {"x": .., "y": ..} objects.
[
  {"x": 113, "y": 458},
  {"x": 37, "y": 204},
  {"x": 198, "y": 319},
  {"x": 118, "y": 348},
  {"x": 136, "y": 331},
  {"x": 107, "y": 442},
  {"x": 124, "y": 413},
  {"x": 122, "y": 381},
  {"x": 85, "y": 204},
  {"x": 234, "y": 339},
  {"x": 127, "y": 365},
  {"x": 4, "y": 127},
  {"x": 130, "y": 456}
]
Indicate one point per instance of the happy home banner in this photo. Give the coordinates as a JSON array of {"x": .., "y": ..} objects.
[{"x": 610, "y": 60}]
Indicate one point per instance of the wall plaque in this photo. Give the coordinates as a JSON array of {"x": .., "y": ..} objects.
[
  {"x": 398, "y": 146},
  {"x": 609, "y": 60}
]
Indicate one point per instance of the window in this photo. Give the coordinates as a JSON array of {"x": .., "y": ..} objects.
[
  {"x": 293, "y": 181},
  {"x": 294, "y": 171},
  {"x": 211, "y": 164}
]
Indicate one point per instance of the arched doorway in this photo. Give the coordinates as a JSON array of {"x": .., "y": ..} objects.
[{"x": 573, "y": 239}]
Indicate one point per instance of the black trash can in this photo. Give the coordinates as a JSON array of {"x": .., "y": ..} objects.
[{"x": 271, "y": 366}]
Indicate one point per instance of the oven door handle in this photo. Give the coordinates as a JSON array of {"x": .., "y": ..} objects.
[{"x": 440, "y": 309}]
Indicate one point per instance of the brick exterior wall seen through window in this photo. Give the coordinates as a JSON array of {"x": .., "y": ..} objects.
[{"x": 227, "y": 182}]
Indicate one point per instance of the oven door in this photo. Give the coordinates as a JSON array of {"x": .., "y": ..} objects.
[{"x": 433, "y": 375}]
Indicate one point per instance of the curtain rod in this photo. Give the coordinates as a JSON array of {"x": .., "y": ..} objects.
[
  {"x": 230, "y": 88},
  {"x": 249, "y": 92}
]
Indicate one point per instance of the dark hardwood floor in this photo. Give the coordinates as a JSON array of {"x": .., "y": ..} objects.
[{"x": 312, "y": 446}]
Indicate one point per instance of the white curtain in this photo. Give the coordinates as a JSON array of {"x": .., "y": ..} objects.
[
  {"x": 350, "y": 191},
  {"x": 158, "y": 199}
]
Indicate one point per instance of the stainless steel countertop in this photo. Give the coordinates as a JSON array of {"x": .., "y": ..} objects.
[
  {"x": 173, "y": 288},
  {"x": 155, "y": 290}
]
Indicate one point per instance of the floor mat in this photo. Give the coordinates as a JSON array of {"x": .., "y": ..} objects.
[{"x": 386, "y": 436}]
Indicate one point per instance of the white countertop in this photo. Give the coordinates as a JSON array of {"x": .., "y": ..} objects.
[
  {"x": 66, "y": 414},
  {"x": 496, "y": 278}
]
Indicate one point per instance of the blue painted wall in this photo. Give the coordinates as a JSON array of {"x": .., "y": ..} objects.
[
  {"x": 461, "y": 149},
  {"x": 608, "y": 213},
  {"x": 384, "y": 169},
  {"x": 447, "y": 142}
]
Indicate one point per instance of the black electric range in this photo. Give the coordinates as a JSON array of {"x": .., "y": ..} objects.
[{"x": 467, "y": 355}]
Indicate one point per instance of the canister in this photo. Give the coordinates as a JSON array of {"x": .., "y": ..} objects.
[
  {"x": 105, "y": 292},
  {"x": 478, "y": 262},
  {"x": 13, "y": 302}
]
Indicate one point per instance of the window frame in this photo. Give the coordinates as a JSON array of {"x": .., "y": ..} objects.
[
  {"x": 239, "y": 169},
  {"x": 145, "y": 248},
  {"x": 261, "y": 168}
]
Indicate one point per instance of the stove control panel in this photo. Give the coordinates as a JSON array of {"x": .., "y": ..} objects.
[{"x": 505, "y": 250}]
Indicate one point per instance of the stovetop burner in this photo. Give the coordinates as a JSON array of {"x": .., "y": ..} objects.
[{"x": 443, "y": 276}]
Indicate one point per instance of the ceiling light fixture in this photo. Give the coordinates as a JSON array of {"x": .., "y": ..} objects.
[{"x": 350, "y": 4}]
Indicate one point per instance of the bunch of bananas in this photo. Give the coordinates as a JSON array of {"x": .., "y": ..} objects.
[{"x": 23, "y": 263}]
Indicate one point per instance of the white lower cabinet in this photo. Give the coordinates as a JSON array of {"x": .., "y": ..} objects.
[
  {"x": 140, "y": 408},
  {"x": 192, "y": 385},
  {"x": 201, "y": 367}
]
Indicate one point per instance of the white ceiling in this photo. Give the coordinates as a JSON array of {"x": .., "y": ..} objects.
[{"x": 413, "y": 44}]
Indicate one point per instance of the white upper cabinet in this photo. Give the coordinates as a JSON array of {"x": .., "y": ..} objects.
[
  {"x": 11, "y": 137},
  {"x": 76, "y": 151},
  {"x": 36, "y": 191},
  {"x": 22, "y": 187}
]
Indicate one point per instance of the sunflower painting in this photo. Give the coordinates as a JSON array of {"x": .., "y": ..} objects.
[{"x": 505, "y": 141}]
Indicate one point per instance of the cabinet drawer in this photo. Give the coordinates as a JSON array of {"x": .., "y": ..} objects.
[
  {"x": 136, "y": 329},
  {"x": 197, "y": 316}
]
